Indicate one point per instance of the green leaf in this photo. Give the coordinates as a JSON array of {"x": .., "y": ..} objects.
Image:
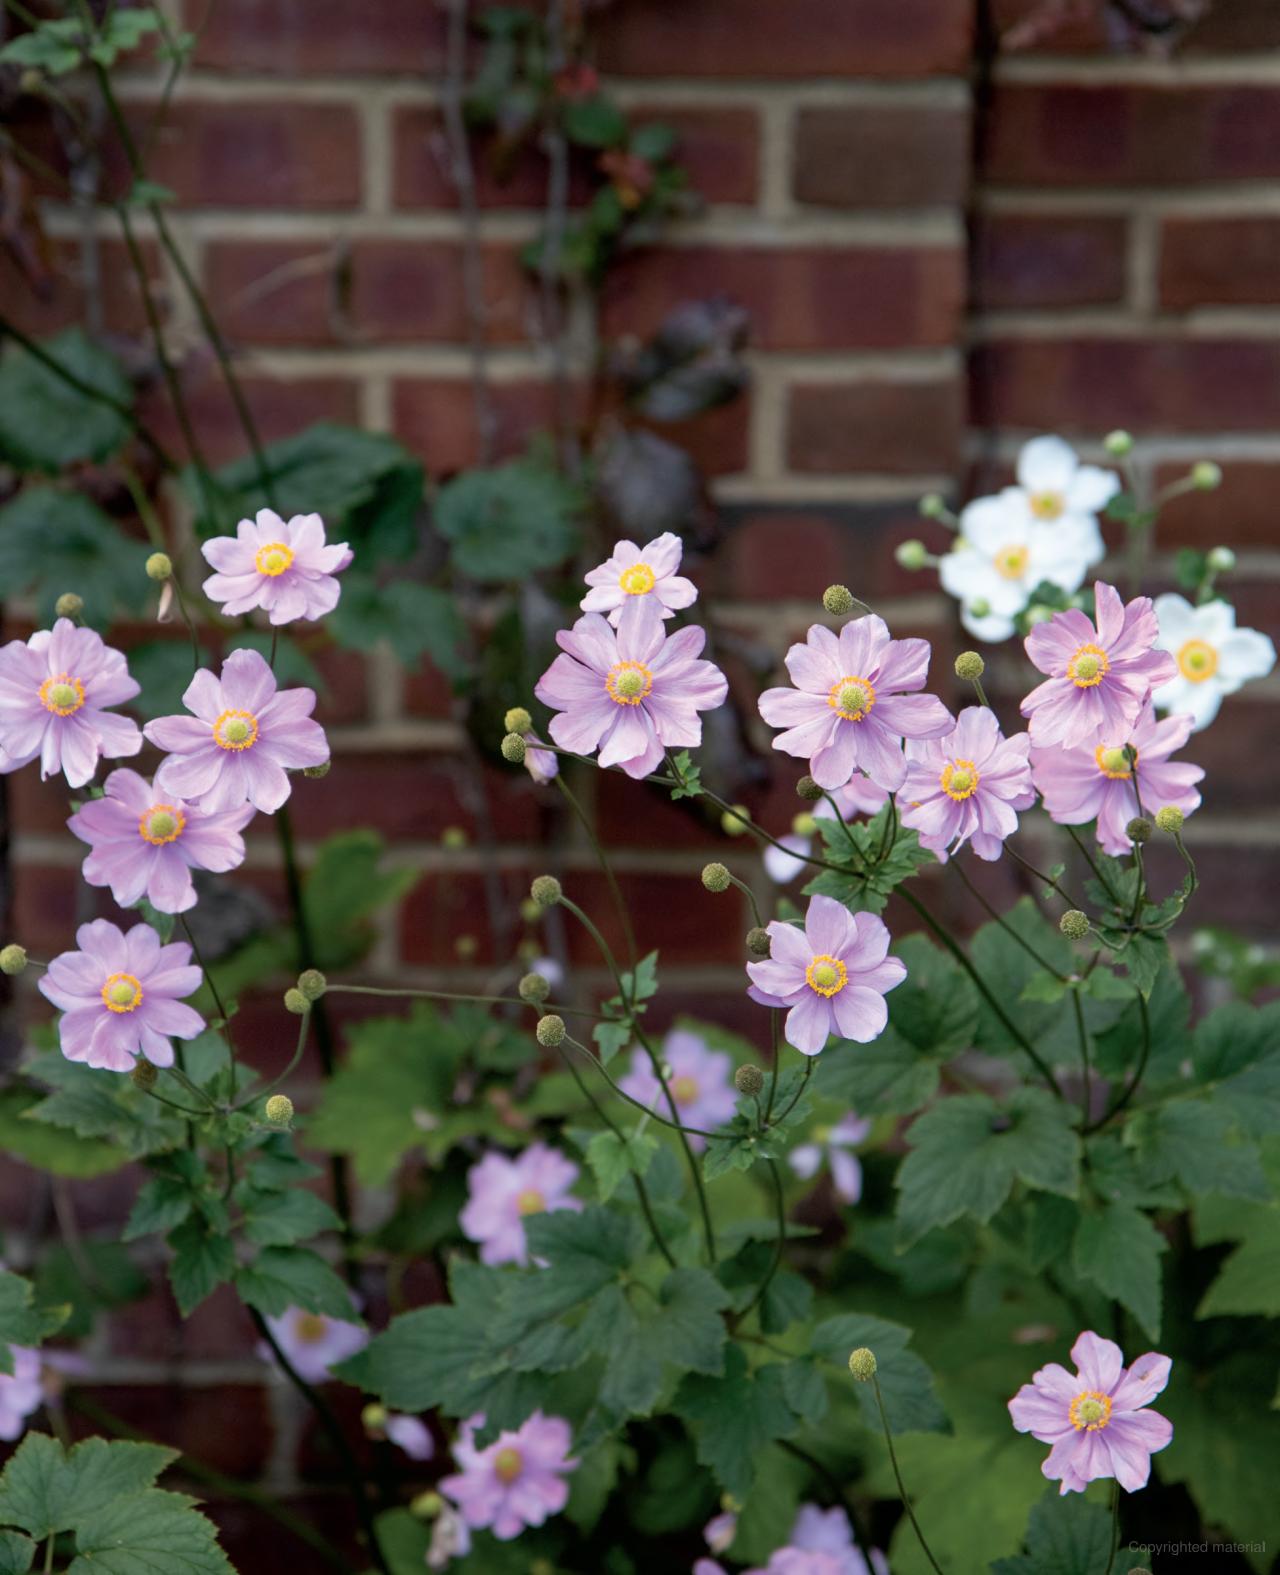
[
  {"x": 278, "y": 1219},
  {"x": 1143, "y": 959},
  {"x": 652, "y": 143},
  {"x": 405, "y": 1541},
  {"x": 1068, "y": 1536},
  {"x": 100, "y": 1277},
  {"x": 594, "y": 122},
  {"x": 735, "y": 1417},
  {"x": 905, "y": 1380},
  {"x": 966, "y": 1155},
  {"x": 52, "y": 541},
  {"x": 22, "y": 1322},
  {"x": 45, "y": 423},
  {"x": 415, "y": 620},
  {"x": 870, "y": 883},
  {"x": 683, "y": 1329},
  {"x": 162, "y": 1203},
  {"x": 1117, "y": 1248},
  {"x": 44, "y": 1490},
  {"x": 16, "y": 1553},
  {"x": 613, "y": 1158},
  {"x": 202, "y": 1260},
  {"x": 346, "y": 885},
  {"x": 1192, "y": 1140},
  {"x": 96, "y": 1103},
  {"x": 146, "y": 1533},
  {"x": 53, "y": 47},
  {"x": 284, "y": 1277},
  {"x": 1237, "y": 1050},
  {"x": 510, "y": 521},
  {"x": 1248, "y": 1283},
  {"x": 48, "y": 1148}
]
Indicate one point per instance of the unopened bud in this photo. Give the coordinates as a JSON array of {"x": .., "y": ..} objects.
[
  {"x": 808, "y": 790},
  {"x": 374, "y": 1417},
  {"x": 159, "y": 566},
  {"x": 911, "y": 554},
  {"x": 550, "y": 1031},
  {"x": 279, "y": 1110},
  {"x": 312, "y": 983},
  {"x": 533, "y": 988},
  {"x": 68, "y": 605},
  {"x": 862, "y": 1364},
  {"x": 1221, "y": 560},
  {"x": 1205, "y": 476},
  {"x": 804, "y": 825},
  {"x": 748, "y": 1079},
  {"x": 1118, "y": 444},
  {"x": 322, "y": 770},
  {"x": 466, "y": 946},
  {"x": 453, "y": 838},
  {"x": 1139, "y": 829},
  {"x": 296, "y": 1002},
  {"x": 970, "y": 665},
  {"x": 838, "y": 600},
  {"x": 735, "y": 820},
  {"x": 530, "y": 910},
  {"x": 980, "y": 607},
  {"x": 1170, "y": 818},
  {"x": 13, "y": 958},
  {"x": 1074, "y": 924},
  {"x": 715, "y": 877},
  {"x": 517, "y": 720},
  {"x": 1038, "y": 613},
  {"x": 31, "y": 81},
  {"x": 758, "y": 941},
  {"x": 546, "y": 891},
  {"x": 143, "y": 1075},
  {"x": 933, "y": 505},
  {"x": 514, "y": 749},
  {"x": 426, "y": 1506}
]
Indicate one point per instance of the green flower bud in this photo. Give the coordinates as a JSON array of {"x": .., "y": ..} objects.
[
  {"x": 322, "y": 770},
  {"x": 758, "y": 941},
  {"x": 1206, "y": 476},
  {"x": 1074, "y": 924},
  {"x": 748, "y": 1079},
  {"x": 1170, "y": 819},
  {"x": 838, "y": 600},
  {"x": 980, "y": 607},
  {"x": 1139, "y": 829},
  {"x": 143, "y": 1075},
  {"x": 715, "y": 877},
  {"x": 296, "y": 1002},
  {"x": 513, "y": 748},
  {"x": 808, "y": 790},
  {"x": 312, "y": 983},
  {"x": 550, "y": 1031},
  {"x": 970, "y": 665},
  {"x": 159, "y": 566},
  {"x": 453, "y": 838},
  {"x": 517, "y": 720},
  {"x": 804, "y": 825},
  {"x": 735, "y": 824},
  {"x": 68, "y": 605},
  {"x": 862, "y": 1364},
  {"x": 374, "y": 1417},
  {"x": 933, "y": 505},
  {"x": 911, "y": 554},
  {"x": 533, "y": 988},
  {"x": 1038, "y": 613},
  {"x": 13, "y": 958},
  {"x": 426, "y": 1506},
  {"x": 279, "y": 1110},
  {"x": 530, "y": 910},
  {"x": 1221, "y": 560},
  {"x": 546, "y": 891},
  {"x": 466, "y": 946},
  {"x": 1118, "y": 444}
]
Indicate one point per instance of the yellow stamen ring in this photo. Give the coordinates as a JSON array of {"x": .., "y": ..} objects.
[
  {"x": 851, "y": 697},
  {"x": 1047, "y": 505},
  {"x": 236, "y": 730},
  {"x": 960, "y": 780},
  {"x": 638, "y": 580},
  {"x": 628, "y": 683},
  {"x": 507, "y": 1465},
  {"x": 684, "y": 1090},
  {"x": 122, "y": 993},
  {"x": 826, "y": 975},
  {"x": 311, "y": 1328},
  {"x": 1088, "y": 667},
  {"x": 530, "y": 1201},
  {"x": 1011, "y": 562},
  {"x": 1114, "y": 762},
  {"x": 1197, "y": 660},
  {"x": 1090, "y": 1411},
  {"x": 62, "y": 695},
  {"x": 161, "y": 823},
  {"x": 273, "y": 559}
]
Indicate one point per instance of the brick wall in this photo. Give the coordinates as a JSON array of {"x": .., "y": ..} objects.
[{"x": 941, "y": 255}]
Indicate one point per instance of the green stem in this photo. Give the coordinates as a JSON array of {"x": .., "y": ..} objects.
[
  {"x": 1115, "y": 1526},
  {"x": 775, "y": 1042},
  {"x": 275, "y": 1082},
  {"x": 897, "y": 1476},
  {"x": 219, "y": 1007},
  {"x": 615, "y": 891},
  {"x": 1131, "y": 1086},
  {"x": 1008, "y": 928},
  {"x": 1040, "y": 875},
  {"x": 780, "y": 1206},
  {"x": 1082, "y": 1033},
  {"x": 644, "y": 1109},
  {"x": 454, "y": 995}
]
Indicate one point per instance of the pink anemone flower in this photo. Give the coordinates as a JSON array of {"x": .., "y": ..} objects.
[
  {"x": 630, "y": 694},
  {"x": 636, "y": 579},
  {"x": 282, "y": 566},
  {"x": 1095, "y": 1418},
  {"x": 832, "y": 975},
  {"x": 1104, "y": 782},
  {"x": 54, "y": 688},
  {"x": 701, "y": 1081},
  {"x": 313, "y": 1342},
  {"x": 967, "y": 786},
  {"x": 852, "y": 704},
  {"x": 518, "y": 1481},
  {"x": 243, "y": 735},
  {"x": 121, "y": 996},
  {"x": 503, "y": 1193},
  {"x": 1100, "y": 676},
  {"x": 835, "y": 1145}
]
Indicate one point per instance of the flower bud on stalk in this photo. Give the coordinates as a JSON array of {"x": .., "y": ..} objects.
[
  {"x": 550, "y": 1031},
  {"x": 1170, "y": 819},
  {"x": 159, "y": 566},
  {"x": 1206, "y": 476},
  {"x": 911, "y": 555},
  {"x": 322, "y": 770},
  {"x": 758, "y": 941},
  {"x": 517, "y": 720},
  {"x": 1139, "y": 829},
  {"x": 862, "y": 1364},
  {"x": 296, "y": 1002},
  {"x": 1118, "y": 444},
  {"x": 748, "y": 1079},
  {"x": 534, "y": 988},
  {"x": 144, "y": 1075},
  {"x": 68, "y": 605},
  {"x": 279, "y": 1110},
  {"x": 838, "y": 600},
  {"x": 312, "y": 983},
  {"x": 1221, "y": 560},
  {"x": 13, "y": 958},
  {"x": 514, "y": 749},
  {"x": 715, "y": 877},
  {"x": 546, "y": 891},
  {"x": 1074, "y": 924},
  {"x": 808, "y": 790},
  {"x": 969, "y": 665}
]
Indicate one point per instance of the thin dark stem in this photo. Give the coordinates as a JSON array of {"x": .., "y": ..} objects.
[
  {"x": 775, "y": 1042},
  {"x": 809, "y": 1062},
  {"x": 1115, "y": 1526},
  {"x": 1004, "y": 924},
  {"x": 639, "y": 1104},
  {"x": 1040, "y": 875},
  {"x": 219, "y": 1007},
  {"x": 1090, "y": 860},
  {"x": 780, "y": 1205},
  {"x": 897, "y": 1476},
  {"x": 615, "y": 891},
  {"x": 454, "y": 995},
  {"x": 1082, "y": 1033},
  {"x": 275, "y": 1082},
  {"x": 1131, "y": 1086}
]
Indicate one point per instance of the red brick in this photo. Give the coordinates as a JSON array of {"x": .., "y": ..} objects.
[
  {"x": 153, "y": 1330},
  {"x": 446, "y": 905},
  {"x": 411, "y": 797},
  {"x": 675, "y": 913},
  {"x": 802, "y": 298},
  {"x": 295, "y": 38},
  {"x": 226, "y": 1426},
  {"x": 58, "y": 298},
  {"x": 825, "y": 38},
  {"x": 1241, "y": 513},
  {"x": 1234, "y": 27},
  {"x": 720, "y": 149},
  {"x": 1092, "y": 385},
  {"x": 413, "y": 290},
  {"x": 1078, "y": 27},
  {"x": 1110, "y": 134},
  {"x": 277, "y": 292},
  {"x": 894, "y": 426},
  {"x": 881, "y": 156},
  {"x": 1219, "y": 262},
  {"x": 1024, "y": 261},
  {"x": 280, "y": 408}
]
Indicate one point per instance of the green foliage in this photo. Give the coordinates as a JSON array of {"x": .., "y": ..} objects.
[
  {"x": 1068, "y": 1536},
  {"x": 874, "y": 856},
  {"x": 906, "y": 1384},
  {"x": 734, "y": 1416},
  {"x": 53, "y": 1149},
  {"x": 509, "y": 522},
  {"x": 415, "y": 620},
  {"x": 52, "y": 541},
  {"x": 24, "y": 1321},
  {"x": 46, "y": 423},
  {"x": 1117, "y": 1248}
]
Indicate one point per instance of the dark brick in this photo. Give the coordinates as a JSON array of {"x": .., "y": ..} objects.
[
  {"x": 298, "y": 38},
  {"x": 1219, "y": 262},
  {"x": 1026, "y": 261},
  {"x": 902, "y": 426},
  {"x": 880, "y": 156}
]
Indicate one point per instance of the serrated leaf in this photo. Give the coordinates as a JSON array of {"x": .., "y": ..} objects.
[
  {"x": 48, "y": 425},
  {"x": 613, "y": 1158},
  {"x": 278, "y": 1219},
  {"x": 16, "y": 1553},
  {"x": 146, "y": 1533},
  {"x": 161, "y": 1204},
  {"x": 734, "y": 1417},
  {"x": 415, "y": 620},
  {"x": 22, "y": 1320},
  {"x": 1068, "y": 1536},
  {"x": 509, "y": 521},
  {"x": 1117, "y": 1248},
  {"x": 284, "y": 1277},
  {"x": 48, "y": 1148},
  {"x": 1192, "y": 1140},
  {"x": 1248, "y": 1283},
  {"x": 906, "y": 1383},
  {"x": 50, "y": 539},
  {"x": 44, "y": 1490},
  {"x": 870, "y": 884},
  {"x": 202, "y": 1260}
]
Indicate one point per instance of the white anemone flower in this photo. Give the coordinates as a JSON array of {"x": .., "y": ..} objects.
[{"x": 1214, "y": 657}]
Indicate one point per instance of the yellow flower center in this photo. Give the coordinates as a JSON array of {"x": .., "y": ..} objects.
[
  {"x": 1011, "y": 562},
  {"x": 311, "y": 1328},
  {"x": 62, "y": 695},
  {"x": 273, "y": 559},
  {"x": 851, "y": 698},
  {"x": 507, "y": 1465},
  {"x": 122, "y": 993},
  {"x": 161, "y": 823},
  {"x": 960, "y": 779},
  {"x": 1090, "y": 1411},
  {"x": 628, "y": 683},
  {"x": 1047, "y": 505},
  {"x": 1197, "y": 660},
  {"x": 636, "y": 580},
  {"x": 1088, "y": 667},
  {"x": 530, "y": 1201},
  {"x": 684, "y": 1090},
  {"x": 827, "y": 975},
  {"x": 236, "y": 730},
  {"x": 1114, "y": 762}
]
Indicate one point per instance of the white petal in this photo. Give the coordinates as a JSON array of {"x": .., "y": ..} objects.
[{"x": 1047, "y": 464}]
